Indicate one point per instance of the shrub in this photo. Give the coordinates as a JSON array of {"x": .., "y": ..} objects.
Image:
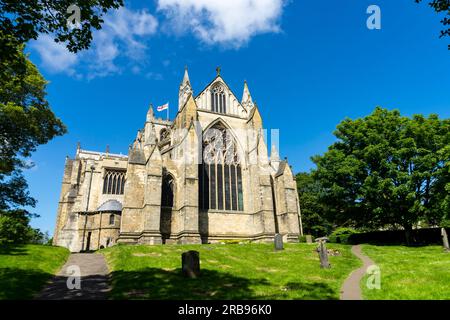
[{"x": 342, "y": 235}]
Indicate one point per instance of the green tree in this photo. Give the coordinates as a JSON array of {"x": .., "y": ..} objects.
[
  {"x": 314, "y": 221},
  {"x": 26, "y": 121},
  {"x": 442, "y": 6},
  {"x": 386, "y": 170},
  {"x": 21, "y": 21}
]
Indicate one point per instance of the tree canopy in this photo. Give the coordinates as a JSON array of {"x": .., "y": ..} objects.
[
  {"x": 386, "y": 170},
  {"x": 21, "y": 21},
  {"x": 442, "y": 6}
]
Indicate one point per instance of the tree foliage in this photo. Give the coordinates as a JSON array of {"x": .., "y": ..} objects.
[
  {"x": 21, "y": 21},
  {"x": 442, "y": 6},
  {"x": 387, "y": 170},
  {"x": 26, "y": 121},
  {"x": 314, "y": 219}
]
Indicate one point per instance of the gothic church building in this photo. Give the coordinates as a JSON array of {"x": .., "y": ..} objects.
[{"x": 204, "y": 177}]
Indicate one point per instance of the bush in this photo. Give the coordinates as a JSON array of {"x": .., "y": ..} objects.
[{"x": 342, "y": 235}]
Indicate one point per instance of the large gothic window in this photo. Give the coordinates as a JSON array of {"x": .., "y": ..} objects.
[
  {"x": 218, "y": 101},
  {"x": 114, "y": 182},
  {"x": 167, "y": 190},
  {"x": 220, "y": 174}
]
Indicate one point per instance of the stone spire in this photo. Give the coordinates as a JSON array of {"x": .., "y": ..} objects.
[
  {"x": 150, "y": 114},
  {"x": 274, "y": 158},
  {"x": 247, "y": 100},
  {"x": 186, "y": 77},
  {"x": 185, "y": 89}
]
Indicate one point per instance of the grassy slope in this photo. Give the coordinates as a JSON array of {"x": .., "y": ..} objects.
[
  {"x": 251, "y": 271},
  {"x": 25, "y": 269},
  {"x": 409, "y": 272}
]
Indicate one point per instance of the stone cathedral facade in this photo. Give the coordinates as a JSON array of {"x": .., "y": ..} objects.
[{"x": 204, "y": 177}]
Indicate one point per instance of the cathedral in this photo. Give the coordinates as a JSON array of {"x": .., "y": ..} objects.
[{"x": 205, "y": 177}]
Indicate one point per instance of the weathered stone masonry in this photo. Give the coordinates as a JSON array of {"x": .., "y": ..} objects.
[{"x": 164, "y": 191}]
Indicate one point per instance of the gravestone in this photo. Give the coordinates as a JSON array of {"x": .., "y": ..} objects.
[
  {"x": 445, "y": 239},
  {"x": 278, "y": 240},
  {"x": 309, "y": 239},
  {"x": 190, "y": 264},
  {"x": 323, "y": 253}
]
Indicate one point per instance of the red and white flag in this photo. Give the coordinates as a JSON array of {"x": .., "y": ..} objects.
[{"x": 163, "y": 107}]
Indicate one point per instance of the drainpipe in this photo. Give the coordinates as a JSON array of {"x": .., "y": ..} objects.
[{"x": 87, "y": 207}]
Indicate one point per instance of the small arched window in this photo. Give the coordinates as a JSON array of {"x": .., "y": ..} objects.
[
  {"x": 218, "y": 100},
  {"x": 111, "y": 219}
]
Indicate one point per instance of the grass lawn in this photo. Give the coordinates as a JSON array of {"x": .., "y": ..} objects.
[
  {"x": 231, "y": 271},
  {"x": 409, "y": 273},
  {"x": 25, "y": 269}
]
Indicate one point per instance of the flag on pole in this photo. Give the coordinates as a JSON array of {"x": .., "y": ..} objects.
[{"x": 163, "y": 107}]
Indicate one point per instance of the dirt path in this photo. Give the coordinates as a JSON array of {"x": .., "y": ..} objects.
[
  {"x": 351, "y": 288},
  {"x": 93, "y": 281}
]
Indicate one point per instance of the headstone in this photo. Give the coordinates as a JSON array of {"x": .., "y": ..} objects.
[
  {"x": 278, "y": 240},
  {"x": 190, "y": 264},
  {"x": 323, "y": 253},
  {"x": 445, "y": 239},
  {"x": 309, "y": 239}
]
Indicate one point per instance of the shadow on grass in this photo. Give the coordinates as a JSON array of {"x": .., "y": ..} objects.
[
  {"x": 13, "y": 250},
  {"x": 157, "y": 284},
  {"x": 21, "y": 284}
]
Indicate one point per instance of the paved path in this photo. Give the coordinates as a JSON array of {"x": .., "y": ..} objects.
[
  {"x": 351, "y": 289},
  {"x": 94, "y": 279}
]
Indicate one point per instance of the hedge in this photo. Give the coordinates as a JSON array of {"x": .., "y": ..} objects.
[{"x": 394, "y": 237}]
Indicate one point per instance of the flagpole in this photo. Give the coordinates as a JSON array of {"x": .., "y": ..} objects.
[{"x": 167, "y": 112}]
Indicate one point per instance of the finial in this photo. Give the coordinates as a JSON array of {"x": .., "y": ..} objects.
[
  {"x": 218, "y": 70},
  {"x": 186, "y": 67},
  {"x": 78, "y": 145},
  {"x": 107, "y": 148}
]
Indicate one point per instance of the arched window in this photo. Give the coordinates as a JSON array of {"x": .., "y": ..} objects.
[
  {"x": 114, "y": 182},
  {"x": 218, "y": 100},
  {"x": 111, "y": 219},
  {"x": 167, "y": 190},
  {"x": 220, "y": 174}
]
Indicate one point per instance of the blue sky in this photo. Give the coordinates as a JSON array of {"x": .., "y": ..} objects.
[{"x": 309, "y": 64}]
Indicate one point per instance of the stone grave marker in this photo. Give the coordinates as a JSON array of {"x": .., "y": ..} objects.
[
  {"x": 190, "y": 264},
  {"x": 323, "y": 253},
  {"x": 278, "y": 240},
  {"x": 445, "y": 239},
  {"x": 309, "y": 239}
]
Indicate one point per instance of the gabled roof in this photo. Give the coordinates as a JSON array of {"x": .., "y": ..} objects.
[{"x": 219, "y": 77}]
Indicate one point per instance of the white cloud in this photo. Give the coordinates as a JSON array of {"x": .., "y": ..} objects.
[
  {"x": 230, "y": 23},
  {"x": 124, "y": 34},
  {"x": 54, "y": 56}
]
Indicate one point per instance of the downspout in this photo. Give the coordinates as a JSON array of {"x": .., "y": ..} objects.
[{"x": 87, "y": 207}]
